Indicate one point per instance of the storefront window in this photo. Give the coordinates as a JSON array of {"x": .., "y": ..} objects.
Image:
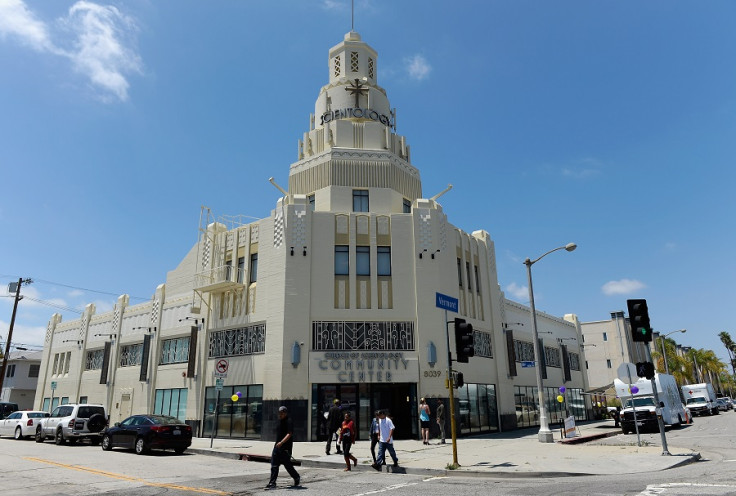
[{"x": 234, "y": 419}]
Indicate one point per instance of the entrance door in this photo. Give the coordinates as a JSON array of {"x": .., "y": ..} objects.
[{"x": 400, "y": 403}]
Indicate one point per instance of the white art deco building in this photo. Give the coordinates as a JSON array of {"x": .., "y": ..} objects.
[{"x": 332, "y": 296}]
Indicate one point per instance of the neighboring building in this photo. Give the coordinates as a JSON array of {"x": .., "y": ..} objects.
[
  {"x": 21, "y": 378},
  {"x": 334, "y": 295}
]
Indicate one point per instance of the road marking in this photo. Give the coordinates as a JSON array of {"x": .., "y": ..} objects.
[
  {"x": 657, "y": 489},
  {"x": 127, "y": 478},
  {"x": 435, "y": 478},
  {"x": 388, "y": 488}
]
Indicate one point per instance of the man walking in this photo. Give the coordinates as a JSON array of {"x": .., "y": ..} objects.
[
  {"x": 334, "y": 421},
  {"x": 386, "y": 441},
  {"x": 441, "y": 419},
  {"x": 281, "y": 454}
]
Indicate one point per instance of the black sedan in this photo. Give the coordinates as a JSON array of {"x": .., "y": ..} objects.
[{"x": 146, "y": 432}]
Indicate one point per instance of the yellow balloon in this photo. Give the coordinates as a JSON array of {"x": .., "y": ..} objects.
[
  {"x": 234, "y": 397},
  {"x": 598, "y": 404},
  {"x": 560, "y": 399}
]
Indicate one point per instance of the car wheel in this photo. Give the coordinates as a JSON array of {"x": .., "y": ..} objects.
[
  {"x": 96, "y": 423},
  {"x": 59, "y": 438},
  {"x": 179, "y": 451},
  {"x": 18, "y": 433},
  {"x": 106, "y": 443},
  {"x": 39, "y": 435},
  {"x": 141, "y": 447}
]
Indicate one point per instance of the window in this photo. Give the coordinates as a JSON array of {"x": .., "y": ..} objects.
[
  {"x": 574, "y": 361},
  {"x": 228, "y": 270},
  {"x": 354, "y": 61},
  {"x": 56, "y": 364},
  {"x": 171, "y": 402},
  {"x": 33, "y": 370},
  {"x": 363, "y": 260},
  {"x": 241, "y": 269},
  {"x": 11, "y": 371},
  {"x": 460, "y": 272},
  {"x": 552, "y": 357},
  {"x": 477, "y": 280},
  {"x": 360, "y": 200},
  {"x": 67, "y": 361},
  {"x": 131, "y": 355},
  {"x": 83, "y": 400},
  {"x": 524, "y": 351},
  {"x": 608, "y": 364},
  {"x": 238, "y": 342},
  {"x": 174, "y": 351},
  {"x": 337, "y": 66},
  {"x": 254, "y": 267},
  {"x": 94, "y": 360},
  {"x": 342, "y": 260},
  {"x": 384, "y": 260},
  {"x": 371, "y": 68},
  {"x": 467, "y": 272},
  {"x": 310, "y": 200},
  {"x": 407, "y": 206},
  {"x": 605, "y": 336}
]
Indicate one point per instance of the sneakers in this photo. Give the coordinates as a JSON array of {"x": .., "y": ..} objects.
[
  {"x": 297, "y": 481},
  {"x": 376, "y": 467},
  {"x": 271, "y": 485}
]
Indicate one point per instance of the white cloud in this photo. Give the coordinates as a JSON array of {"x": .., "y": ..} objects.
[
  {"x": 22, "y": 334},
  {"x": 622, "y": 287},
  {"x": 518, "y": 292},
  {"x": 418, "y": 67},
  {"x": 584, "y": 168},
  {"x": 100, "y": 47}
]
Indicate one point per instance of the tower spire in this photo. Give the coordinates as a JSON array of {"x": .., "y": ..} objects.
[{"x": 352, "y": 15}]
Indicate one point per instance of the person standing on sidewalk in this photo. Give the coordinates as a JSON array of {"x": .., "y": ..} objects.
[
  {"x": 334, "y": 420},
  {"x": 375, "y": 435},
  {"x": 347, "y": 436},
  {"x": 424, "y": 419},
  {"x": 441, "y": 419},
  {"x": 386, "y": 441},
  {"x": 281, "y": 454}
]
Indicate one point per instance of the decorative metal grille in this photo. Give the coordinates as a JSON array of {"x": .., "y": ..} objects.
[
  {"x": 574, "y": 361},
  {"x": 482, "y": 344},
  {"x": 131, "y": 354},
  {"x": 337, "y": 66},
  {"x": 174, "y": 350},
  {"x": 249, "y": 340},
  {"x": 552, "y": 357},
  {"x": 524, "y": 351},
  {"x": 354, "y": 61},
  {"x": 383, "y": 336},
  {"x": 371, "y": 68},
  {"x": 94, "y": 360}
]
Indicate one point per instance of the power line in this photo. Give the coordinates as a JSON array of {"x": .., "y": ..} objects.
[
  {"x": 55, "y": 305},
  {"x": 81, "y": 289}
]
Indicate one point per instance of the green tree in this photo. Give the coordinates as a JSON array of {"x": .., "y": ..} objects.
[{"x": 730, "y": 347}]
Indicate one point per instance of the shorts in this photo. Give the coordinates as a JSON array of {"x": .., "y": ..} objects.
[{"x": 425, "y": 424}]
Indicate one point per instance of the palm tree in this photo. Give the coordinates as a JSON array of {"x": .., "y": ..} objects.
[{"x": 730, "y": 347}]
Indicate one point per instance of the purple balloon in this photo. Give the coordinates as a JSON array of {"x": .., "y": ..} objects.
[
  {"x": 239, "y": 394},
  {"x": 634, "y": 389},
  {"x": 562, "y": 389}
]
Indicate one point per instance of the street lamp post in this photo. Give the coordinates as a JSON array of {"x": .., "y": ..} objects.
[
  {"x": 664, "y": 351},
  {"x": 545, "y": 435}
]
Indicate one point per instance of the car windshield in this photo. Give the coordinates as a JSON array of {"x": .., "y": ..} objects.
[
  {"x": 164, "y": 419},
  {"x": 646, "y": 401},
  {"x": 697, "y": 399}
]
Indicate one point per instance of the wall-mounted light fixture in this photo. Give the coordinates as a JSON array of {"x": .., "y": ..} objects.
[
  {"x": 296, "y": 354},
  {"x": 151, "y": 330},
  {"x": 111, "y": 336},
  {"x": 431, "y": 354},
  {"x": 304, "y": 251},
  {"x": 78, "y": 341},
  {"x": 421, "y": 252},
  {"x": 436, "y": 251},
  {"x": 195, "y": 319},
  {"x": 292, "y": 251}
]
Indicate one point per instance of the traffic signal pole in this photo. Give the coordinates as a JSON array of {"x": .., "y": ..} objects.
[
  {"x": 658, "y": 407},
  {"x": 451, "y": 387}
]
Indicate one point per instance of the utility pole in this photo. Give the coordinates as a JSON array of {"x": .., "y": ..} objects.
[{"x": 18, "y": 297}]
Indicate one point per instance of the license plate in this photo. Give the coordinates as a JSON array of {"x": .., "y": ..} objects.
[{"x": 177, "y": 432}]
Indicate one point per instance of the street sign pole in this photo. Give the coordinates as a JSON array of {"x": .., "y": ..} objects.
[
  {"x": 214, "y": 425},
  {"x": 449, "y": 303},
  {"x": 658, "y": 408}
]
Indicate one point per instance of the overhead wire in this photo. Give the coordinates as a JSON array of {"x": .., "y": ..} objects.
[{"x": 77, "y": 287}]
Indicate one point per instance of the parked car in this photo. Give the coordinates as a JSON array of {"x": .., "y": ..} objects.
[
  {"x": 146, "y": 432},
  {"x": 6, "y": 408},
  {"x": 722, "y": 405},
  {"x": 21, "y": 424},
  {"x": 72, "y": 422}
]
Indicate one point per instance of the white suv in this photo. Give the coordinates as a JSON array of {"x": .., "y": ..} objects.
[{"x": 72, "y": 422}]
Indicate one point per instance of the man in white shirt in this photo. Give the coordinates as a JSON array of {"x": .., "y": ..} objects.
[{"x": 386, "y": 441}]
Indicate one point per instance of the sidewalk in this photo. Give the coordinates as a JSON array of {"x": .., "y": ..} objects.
[{"x": 513, "y": 454}]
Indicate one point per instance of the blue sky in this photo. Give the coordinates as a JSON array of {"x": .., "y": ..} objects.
[{"x": 608, "y": 124}]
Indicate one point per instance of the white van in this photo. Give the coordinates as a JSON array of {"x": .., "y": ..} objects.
[
  {"x": 700, "y": 399},
  {"x": 671, "y": 409}
]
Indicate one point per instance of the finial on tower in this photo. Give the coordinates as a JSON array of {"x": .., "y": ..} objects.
[{"x": 352, "y": 15}]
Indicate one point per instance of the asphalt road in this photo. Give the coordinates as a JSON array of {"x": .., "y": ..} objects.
[{"x": 30, "y": 468}]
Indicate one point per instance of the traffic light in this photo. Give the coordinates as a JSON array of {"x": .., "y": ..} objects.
[
  {"x": 645, "y": 369},
  {"x": 459, "y": 380},
  {"x": 463, "y": 341},
  {"x": 641, "y": 329}
]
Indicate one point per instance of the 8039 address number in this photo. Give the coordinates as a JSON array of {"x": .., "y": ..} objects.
[{"x": 432, "y": 373}]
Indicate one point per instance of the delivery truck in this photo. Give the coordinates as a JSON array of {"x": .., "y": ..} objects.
[
  {"x": 700, "y": 399},
  {"x": 670, "y": 403}
]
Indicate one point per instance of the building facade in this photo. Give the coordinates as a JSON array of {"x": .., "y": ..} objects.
[
  {"x": 334, "y": 295},
  {"x": 21, "y": 378}
]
